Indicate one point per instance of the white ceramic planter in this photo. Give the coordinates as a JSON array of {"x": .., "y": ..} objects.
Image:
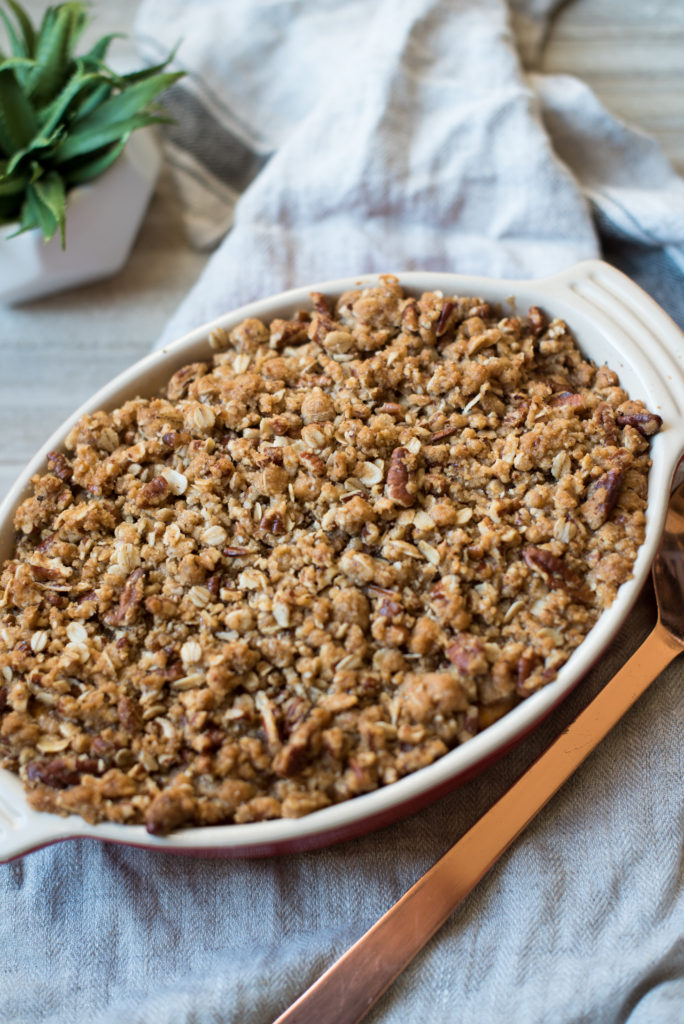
[{"x": 103, "y": 218}]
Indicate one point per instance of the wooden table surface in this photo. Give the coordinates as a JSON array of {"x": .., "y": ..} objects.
[{"x": 55, "y": 353}]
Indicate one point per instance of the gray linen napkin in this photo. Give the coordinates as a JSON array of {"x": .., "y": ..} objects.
[{"x": 429, "y": 149}]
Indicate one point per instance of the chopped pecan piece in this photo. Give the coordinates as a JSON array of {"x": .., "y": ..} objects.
[
  {"x": 556, "y": 572},
  {"x": 129, "y": 716},
  {"x": 314, "y": 463},
  {"x": 410, "y": 317},
  {"x": 288, "y": 332},
  {"x": 320, "y": 304},
  {"x": 468, "y": 655},
  {"x": 392, "y": 409},
  {"x": 129, "y": 602},
  {"x": 173, "y": 439},
  {"x": 283, "y": 426},
  {"x": 602, "y": 497},
  {"x": 604, "y": 416},
  {"x": 443, "y": 434},
  {"x": 481, "y": 309},
  {"x": 58, "y": 465},
  {"x": 153, "y": 494},
  {"x": 168, "y": 811},
  {"x": 213, "y": 584},
  {"x": 538, "y": 320},
  {"x": 569, "y": 399},
  {"x": 526, "y": 664},
  {"x": 400, "y": 485},
  {"x": 273, "y": 522},
  {"x": 43, "y": 573},
  {"x": 46, "y": 544},
  {"x": 389, "y": 608},
  {"x": 55, "y": 772},
  {"x": 302, "y": 743},
  {"x": 183, "y": 378},
  {"x": 272, "y": 455},
  {"x": 647, "y": 423},
  {"x": 444, "y": 316}
]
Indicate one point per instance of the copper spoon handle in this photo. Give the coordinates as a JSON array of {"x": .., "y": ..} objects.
[{"x": 350, "y": 987}]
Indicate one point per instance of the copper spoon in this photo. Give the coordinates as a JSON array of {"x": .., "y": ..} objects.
[{"x": 351, "y": 986}]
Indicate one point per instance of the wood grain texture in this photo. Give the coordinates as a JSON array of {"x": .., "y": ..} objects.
[
  {"x": 55, "y": 353},
  {"x": 631, "y": 53}
]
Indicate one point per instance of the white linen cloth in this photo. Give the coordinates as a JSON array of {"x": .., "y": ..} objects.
[{"x": 341, "y": 138}]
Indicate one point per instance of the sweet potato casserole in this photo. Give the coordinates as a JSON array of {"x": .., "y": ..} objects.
[{"x": 339, "y": 547}]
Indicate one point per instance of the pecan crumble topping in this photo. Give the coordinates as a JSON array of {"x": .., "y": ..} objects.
[{"x": 340, "y": 546}]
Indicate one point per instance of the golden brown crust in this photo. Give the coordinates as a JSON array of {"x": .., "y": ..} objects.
[{"x": 317, "y": 562}]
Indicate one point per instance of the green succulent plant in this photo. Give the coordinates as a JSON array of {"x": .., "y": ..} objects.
[{"x": 63, "y": 118}]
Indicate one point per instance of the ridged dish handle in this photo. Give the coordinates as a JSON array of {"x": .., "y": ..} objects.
[
  {"x": 609, "y": 297},
  {"x": 22, "y": 829}
]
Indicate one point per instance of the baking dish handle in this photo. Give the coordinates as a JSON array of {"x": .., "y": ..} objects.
[
  {"x": 21, "y": 829},
  {"x": 609, "y": 296}
]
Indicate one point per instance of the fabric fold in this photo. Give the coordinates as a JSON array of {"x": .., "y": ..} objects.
[{"x": 411, "y": 157}]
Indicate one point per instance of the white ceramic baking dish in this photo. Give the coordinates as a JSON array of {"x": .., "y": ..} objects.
[{"x": 616, "y": 323}]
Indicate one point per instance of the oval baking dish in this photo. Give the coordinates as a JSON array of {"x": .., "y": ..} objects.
[{"x": 614, "y": 322}]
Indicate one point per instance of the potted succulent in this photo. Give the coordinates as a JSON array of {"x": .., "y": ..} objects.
[{"x": 72, "y": 186}]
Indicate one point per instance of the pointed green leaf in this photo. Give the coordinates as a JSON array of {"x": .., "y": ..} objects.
[
  {"x": 18, "y": 123},
  {"x": 37, "y": 213},
  {"x": 87, "y": 170},
  {"x": 27, "y": 30},
  {"x": 93, "y": 98},
  {"x": 16, "y": 44},
  {"x": 35, "y": 150},
  {"x": 98, "y": 52},
  {"x": 128, "y": 103},
  {"x": 139, "y": 76},
  {"x": 16, "y": 62},
  {"x": 61, "y": 27},
  {"x": 27, "y": 221},
  {"x": 46, "y": 26},
  {"x": 81, "y": 142},
  {"x": 13, "y": 187},
  {"x": 50, "y": 191},
  {"x": 53, "y": 114}
]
